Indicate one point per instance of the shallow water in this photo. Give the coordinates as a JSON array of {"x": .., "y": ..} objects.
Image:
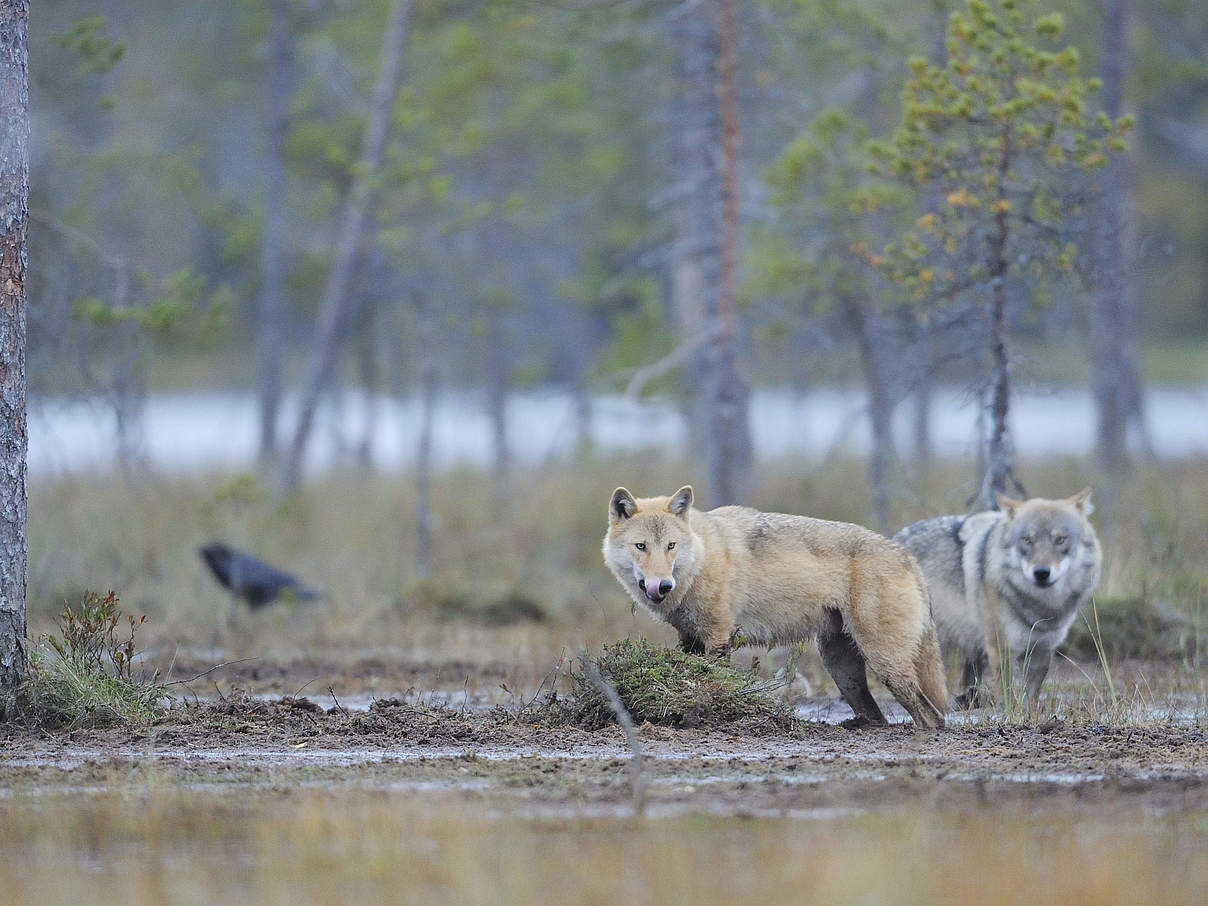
[{"x": 198, "y": 431}]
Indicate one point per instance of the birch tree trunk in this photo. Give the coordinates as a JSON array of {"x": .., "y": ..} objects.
[
  {"x": 338, "y": 308},
  {"x": 1115, "y": 378},
  {"x": 269, "y": 316},
  {"x": 706, "y": 136},
  {"x": 14, "y": 222}
]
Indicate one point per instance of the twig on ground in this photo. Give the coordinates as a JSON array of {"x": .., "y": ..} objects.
[
  {"x": 341, "y": 708},
  {"x": 636, "y": 777}
]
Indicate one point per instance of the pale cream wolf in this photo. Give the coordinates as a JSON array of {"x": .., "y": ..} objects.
[
  {"x": 779, "y": 580},
  {"x": 1008, "y": 581}
]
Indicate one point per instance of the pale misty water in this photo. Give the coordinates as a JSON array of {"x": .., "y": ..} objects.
[{"x": 190, "y": 432}]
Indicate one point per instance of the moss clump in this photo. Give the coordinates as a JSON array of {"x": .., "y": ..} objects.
[{"x": 664, "y": 686}]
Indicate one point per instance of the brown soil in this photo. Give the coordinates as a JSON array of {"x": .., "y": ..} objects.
[{"x": 506, "y": 759}]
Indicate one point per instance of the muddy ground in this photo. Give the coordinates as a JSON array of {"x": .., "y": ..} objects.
[{"x": 487, "y": 744}]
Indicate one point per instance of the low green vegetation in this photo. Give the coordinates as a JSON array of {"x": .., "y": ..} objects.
[{"x": 85, "y": 676}]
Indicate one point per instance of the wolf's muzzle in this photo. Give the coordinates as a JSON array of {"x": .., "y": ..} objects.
[
  {"x": 657, "y": 594},
  {"x": 1042, "y": 576}
]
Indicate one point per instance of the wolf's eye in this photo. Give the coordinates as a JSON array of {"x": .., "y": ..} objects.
[
  {"x": 1060, "y": 539},
  {"x": 1026, "y": 540},
  {"x": 670, "y": 545},
  {"x": 640, "y": 545}
]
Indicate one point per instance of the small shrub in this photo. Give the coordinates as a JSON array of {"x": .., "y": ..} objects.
[
  {"x": 665, "y": 686},
  {"x": 85, "y": 675}
]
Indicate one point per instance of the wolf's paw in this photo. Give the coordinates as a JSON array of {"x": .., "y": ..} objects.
[{"x": 968, "y": 700}]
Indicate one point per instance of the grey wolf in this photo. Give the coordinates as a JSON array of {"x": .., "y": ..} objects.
[
  {"x": 779, "y": 580},
  {"x": 1006, "y": 585}
]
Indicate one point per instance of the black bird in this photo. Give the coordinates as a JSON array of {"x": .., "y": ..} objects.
[{"x": 255, "y": 581}]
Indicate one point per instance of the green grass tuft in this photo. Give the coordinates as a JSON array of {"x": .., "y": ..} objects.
[
  {"x": 666, "y": 686},
  {"x": 85, "y": 677}
]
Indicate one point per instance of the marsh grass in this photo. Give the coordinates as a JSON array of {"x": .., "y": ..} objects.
[
  {"x": 513, "y": 584},
  {"x": 159, "y": 844},
  {"x": 667, "y": 686}
]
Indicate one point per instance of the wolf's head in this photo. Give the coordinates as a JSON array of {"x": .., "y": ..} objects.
[
  {"x": 1048, "y": 542},
  {"x": 649, "y": 542}
]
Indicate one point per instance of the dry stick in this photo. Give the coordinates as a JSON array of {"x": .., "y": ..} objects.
[
  {"x": 331, "y": 690},
  {"x": 208, "y": 672},
  {"x": 664, "y": 366},
  {"x": 636, "y": 778}
]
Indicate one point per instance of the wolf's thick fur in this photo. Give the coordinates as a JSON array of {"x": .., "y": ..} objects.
[
  {"x": 1008, "y": 582},
  {"x": 779, "y": 580}
]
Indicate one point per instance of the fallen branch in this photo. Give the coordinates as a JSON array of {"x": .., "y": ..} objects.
[
  {"x": 668, "y": 363},
  {"x": 185, "y": 682}
]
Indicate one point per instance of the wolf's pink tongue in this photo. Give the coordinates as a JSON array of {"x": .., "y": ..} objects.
[{"x": 652, "y": 589}]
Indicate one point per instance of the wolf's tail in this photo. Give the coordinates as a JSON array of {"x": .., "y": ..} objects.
[{"x": 930, "y": 669}]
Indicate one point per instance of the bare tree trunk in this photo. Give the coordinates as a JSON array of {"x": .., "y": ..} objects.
[
  {"x": 497, "y": 399},
  {"x": 871, "y": 342},
  {"x": 1115, "y": 379},
  {"x": 338, "y": 307},
  {"x": 923, "y": 397},
  {"x": 706, "y": 130},
  {"x": 270, "y": 334},
  {"x": 1000, "y": 453},
  {"x": 14, "y": 443},
  {"x": 423, "y": 458},
  {"x": 370, "y": 379}
]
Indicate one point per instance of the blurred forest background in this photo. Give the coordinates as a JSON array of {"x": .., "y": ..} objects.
[{"x": 308, "y": 202}]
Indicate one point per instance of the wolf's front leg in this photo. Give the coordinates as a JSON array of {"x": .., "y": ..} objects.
[
  {"x": 690, "y": 644},
  {"x": 1036, "y": 667}
]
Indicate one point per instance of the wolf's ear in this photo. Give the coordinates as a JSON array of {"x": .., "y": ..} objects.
[
  {"x": 680, "y": 502},
  {"x": 622, "y": 505},
  {"x": 1008, "y": 505},
  {"x": 1082, "y": 502}
]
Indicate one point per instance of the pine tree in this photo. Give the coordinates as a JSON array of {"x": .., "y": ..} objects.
[{"x": 998, "y": 141}]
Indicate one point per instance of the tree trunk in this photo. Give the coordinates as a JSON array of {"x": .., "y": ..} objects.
[
  {"x": 367, "y": 354},
  {"x": 1000, "y": 454},
  {"x": 922, "y": 408},
  {"x": 428, "y": 384},
  {"x": 338, "y": 308},
  {"x": 14, "y": 223},
  {"x": 704, "y": 270},
  {"x": 270, "y": 334},
  {"x": 1115, "y": 376},
  {"x": 497, "y": 400},
  {"x": 871, "y": 342}
]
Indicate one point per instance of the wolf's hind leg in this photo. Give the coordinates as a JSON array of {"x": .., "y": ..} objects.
[
  {"x": 971, "y": 675},
  {"x": 845, "y": 664}
]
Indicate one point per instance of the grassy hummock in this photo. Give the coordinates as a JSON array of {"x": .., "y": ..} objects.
[{"x": 665, "y": 686}]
